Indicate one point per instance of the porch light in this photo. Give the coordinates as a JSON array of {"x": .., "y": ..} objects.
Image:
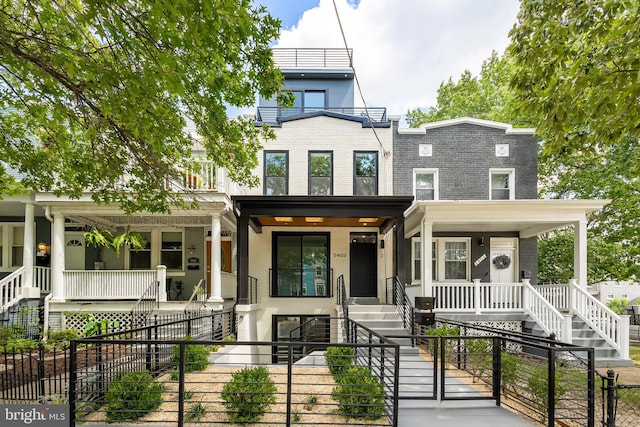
[
  {"x": 283, "y": 219},
  {"x": 366, "y": 220},
  {"x": 314, "y": 219},
  {"x": 43, "y": 248}
]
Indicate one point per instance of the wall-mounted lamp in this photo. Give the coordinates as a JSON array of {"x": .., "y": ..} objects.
[
  {"x": 481, "y": 241},
  {"x": 381, "y": 243},
  {"x": 192, "y": 249},
  {"x": 43, "y": 248}
]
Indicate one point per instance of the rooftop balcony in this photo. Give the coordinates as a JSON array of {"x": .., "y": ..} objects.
[
  {"x": 274, "y": 115},
  {"x": 312, "y": 58}
]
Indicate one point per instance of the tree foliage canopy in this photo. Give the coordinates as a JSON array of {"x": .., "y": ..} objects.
[
  {"x": 95, "y": 95},
  {"x": 577, "y": 67}
]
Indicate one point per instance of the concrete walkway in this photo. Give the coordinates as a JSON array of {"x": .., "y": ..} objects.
[{"x": 416, "y": 379}]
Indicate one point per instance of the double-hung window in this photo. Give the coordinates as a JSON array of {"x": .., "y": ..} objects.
[
  {"x": 11, "y": 245},
  {"x": 502, "y": 184},
  {"x": 140, "y": 259},
  {"x": 276, "y": 172},
  {"x": 320, "y": 173},
  {"x": 450, "y": 259},
  {"x": 425, "y": 184},
  {"x": 365, "y": 180}
]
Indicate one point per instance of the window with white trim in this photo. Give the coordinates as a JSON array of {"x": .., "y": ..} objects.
[
  {"x": 502, "y": 184},
  {"x": 450, "y": 259},
  {"x": 11, "y": 245},
  {"x": 140, "y": 259},
  {"x": 165, "y": 247},
  {"x": 425, "y": 184}
]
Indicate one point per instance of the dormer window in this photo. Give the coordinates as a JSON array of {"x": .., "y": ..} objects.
[{"x": 306, "y": 101}]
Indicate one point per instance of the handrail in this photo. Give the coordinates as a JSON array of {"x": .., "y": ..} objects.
[
  {"x": 145, "y": 305},
  {"x": 403, "y": 303},
  {"x": 11, "y": 289},
  {"x": 195, "y": 304},
  {"x": 253, "y": 290},
  {"x": 545, "y": 314},
  {"x": 607, "y": 324},
  {"x": 342, "y": 296}
]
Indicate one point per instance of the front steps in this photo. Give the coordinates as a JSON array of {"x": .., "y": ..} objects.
[{"x": 382, "y": 319}]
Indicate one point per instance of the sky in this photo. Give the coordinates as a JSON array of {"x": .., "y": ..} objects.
[{"x": 402, "y": 49}]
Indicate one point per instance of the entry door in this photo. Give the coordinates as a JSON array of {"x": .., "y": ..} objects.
[
  {"x": 504, "y": 260},
  {"x": 363, "y": 277},
  {"x": 74, "y": 250}
]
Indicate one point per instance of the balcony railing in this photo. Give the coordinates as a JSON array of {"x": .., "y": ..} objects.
[
  {"x": 106, "y": 284},
  {"x": 312, "y": 58},
  {"x": 275, "y": 114},
  {"x": 201, "y": 176}
]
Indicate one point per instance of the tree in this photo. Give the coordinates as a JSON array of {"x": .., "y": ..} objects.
[
  {"x": 576, "y": 66},
  {"x": 95, "y": 96}
]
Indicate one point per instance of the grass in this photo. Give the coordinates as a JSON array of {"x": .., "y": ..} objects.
[{"x": 634, "y": 353}]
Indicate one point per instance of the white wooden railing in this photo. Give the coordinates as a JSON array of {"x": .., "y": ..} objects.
[
  {"x": 11, "y": 288},
  {"x": 203, "y": 176},
  {"x": 99, "y": 285},
  {"x": 42, "y": 278},
  {"x": 610, "y": 326},
  {"x": 478, "y": 297},
  {"x": 545, "y": 314},
  {"x": 558, "y": 295}
]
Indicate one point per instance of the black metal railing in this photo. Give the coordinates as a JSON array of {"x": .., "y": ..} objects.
[
  {"x": 198, "y": 298},
  {"x": 343, "y": 300},
  {"x": 252, "y": 297},
  {"x": 368, "y": 115},
  {"x": 145, "y": 305},
  {"x": 301, "y": 282},
  {"x": 396, "y": 295}
]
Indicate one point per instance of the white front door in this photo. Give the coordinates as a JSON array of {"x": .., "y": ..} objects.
[
  {"x": 74, "y": 250},
  {"x": 504, "y": 260}
]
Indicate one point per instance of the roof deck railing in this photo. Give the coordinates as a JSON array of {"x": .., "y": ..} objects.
[{"x": 312, "y": 58}]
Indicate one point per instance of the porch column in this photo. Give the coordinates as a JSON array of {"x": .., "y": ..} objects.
[
  {"x": 580, "y": 252},
  {"x": 215, "y": 261},
  {"x": 426, "y": 248},
  {"x": 57, "y": 258}
]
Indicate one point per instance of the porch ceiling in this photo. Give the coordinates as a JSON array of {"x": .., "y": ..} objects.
[{"x": 528, "y": 217}]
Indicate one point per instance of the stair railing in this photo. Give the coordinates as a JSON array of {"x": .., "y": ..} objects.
[
  {"x": 604, "y": 322},
  {"x": 402, "y": 302},
  {"x": 198, "y": 298},
  {"x": 11, "y": 289},
  {"x": 342, "y": 296},
  {"x": 545, "y": 314},
  {"x": 145, "y": 305}
]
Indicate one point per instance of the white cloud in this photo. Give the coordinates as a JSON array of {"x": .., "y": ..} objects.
[{"x": 404, "y": 49}]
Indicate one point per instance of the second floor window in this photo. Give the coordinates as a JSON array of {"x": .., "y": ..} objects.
[
  {"x": 320, "y": 173},
  {"x": 276, "y": 167},
  {"x": 502, "y": 184},
  {"x": 425, "y": 184},
  {"x": 306, "y": 101},
  {"x": 365, "y": 180}
]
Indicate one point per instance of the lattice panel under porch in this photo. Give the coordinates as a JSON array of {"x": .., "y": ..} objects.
[{"x": 78, "y": 320}]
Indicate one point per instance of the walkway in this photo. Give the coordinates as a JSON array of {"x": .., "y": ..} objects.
[{"x": 416, "y": 376}]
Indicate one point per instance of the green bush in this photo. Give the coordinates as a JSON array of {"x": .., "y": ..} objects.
[
  {"x": 131, "y": 396},
  {"x": 360, "y": 394},
  {"x": 338, "y": 359},
  {"x": 62, "y": 336},
  {"x": 443, "y": 331},
  {"x": 196, "y": 357},
  {"x": 17, "y": 345},
  {"x": 539, "y": 388},
  {"x": 509, "y": 365},
  {"x": 248, "y": 395},
  {"x": 479, "y": 357},
  {"x": 618, "y": 305}
]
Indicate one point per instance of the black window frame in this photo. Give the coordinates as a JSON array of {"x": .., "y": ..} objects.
[
  {"x": 330, "y": 176},
  {"x": 302, "y": 108},
  {"x": 355, "y": 176},
  {"x": 279, "y": 354},
  {"x": 265, "y": 186},
  {"x": 326, "y": 274}
]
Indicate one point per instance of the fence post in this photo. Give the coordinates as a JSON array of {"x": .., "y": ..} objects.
[
  {"x": 289, "y": 375},
  {"x": 41, "y": 370},
  {"x": 551, "y": 387},
  {"x": 611, "y": 397},
  {"x": 181, "y": 387},
  {"x": 497, "y": 369},
  {"x": 73, "y": 377}
]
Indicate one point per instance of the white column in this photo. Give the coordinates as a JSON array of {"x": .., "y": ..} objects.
[
  {"x": 161, "y": 275},
  {"x": 29, "y": 244},
  {"x": 426, "y": 250},
  {"x": 216, "y": 262},
  {"x": 580, "y": 252},
  {"x": 57, "y": 258}
]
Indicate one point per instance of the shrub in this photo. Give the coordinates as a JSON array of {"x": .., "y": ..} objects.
[
  {"x": 618, "y": 305},
  {"x": 539, "y": 388},
  {"x": 131, "y": 396},
  {"x": 479, "y": 357},
  {"x": 195, "y": 412},
  {"x": 509, "y": 365},
  {"x": 196, "y": 357},
  {"x": 62, "y": 336},
  {"x": 248, "y": 395},
  {"x": 360, "y": 394},
  {"x": 338, "y": 359}
]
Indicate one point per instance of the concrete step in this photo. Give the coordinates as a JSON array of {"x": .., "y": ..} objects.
[
  {"x": 363, "y": 300},
  {"x": 372, "y": 308},
  {"x": 380, "y": 323}
]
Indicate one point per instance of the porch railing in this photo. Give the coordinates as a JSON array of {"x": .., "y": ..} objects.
[
  {"x": 478, "y": 297},
  {"x": 11, "y": 288},
  {"x": 42, "y": 278},
  {"x": 200, "y": 176},
  {"x": 253, "y": 290},
  {"x": 106, "y": 284},
  {"x": 546, "y": 315},
  {"x": 558, "y": 295}
]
